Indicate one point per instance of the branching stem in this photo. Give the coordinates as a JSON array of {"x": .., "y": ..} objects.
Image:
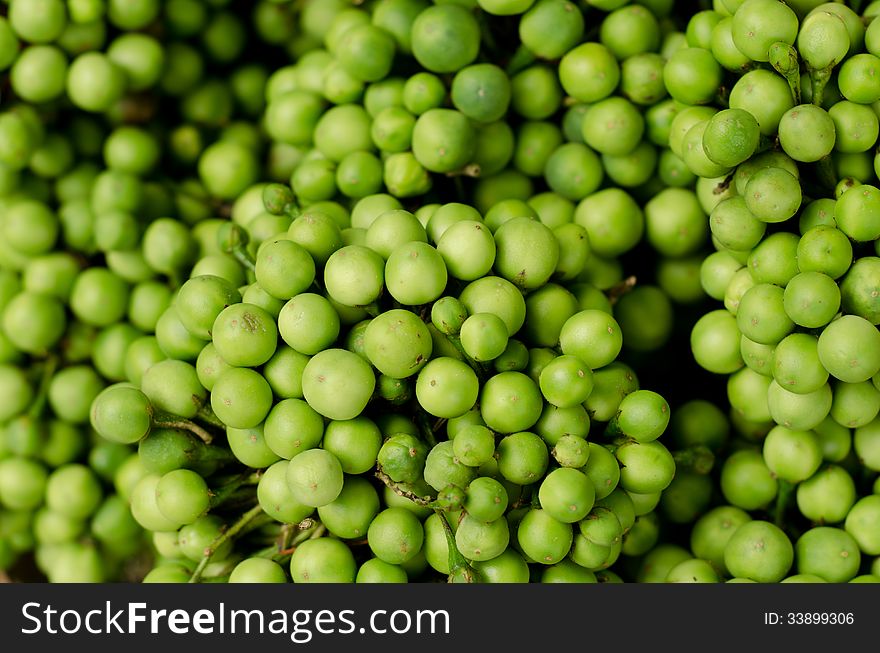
[
  {"x": 401, "y": 492},
  {"x": 167, "y": 421},
  {"x": 228, "y": 534}
]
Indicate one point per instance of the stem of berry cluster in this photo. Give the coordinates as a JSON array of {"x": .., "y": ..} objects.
[
  {"x": 206, "y": 415},
  {"x": 784, "y": 58},
  {"x": 400, "y": 491},
  {"x": 460, "y": 570},
  {"x": 39, "y": 403},
  {"x": 481, "y": 370},
  {"x": 819, "y": 79},
  {"x": 228, "y": 534},
  {"x": 618, "y": 291},
  {"x": 223, "y": 492},
  {"x": 168, "y": 421},
  {"x": 782, "y": 497}
]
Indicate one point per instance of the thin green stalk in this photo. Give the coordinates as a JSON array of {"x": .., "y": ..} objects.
[
  {"x": 234, "y": 240},
  {"x": 38, "y": 405},
  {"x": 470, "y": 170},
  {"x": 819, "y": 80},
  {"x": 244, "y": 257},
  {"x": 460, "y": 570},
  {"x": 479, "y": 368},
  {"x": 286, "y": 537},
  {"x": 168, "y": 421},
  {"x": 784, "y": 59},
  {"x": 783, "y": 495},
  {"x": 612, "y": 429},
  {"x": 618, "y": 291},
  {"x": 400, "y": 491},
  {"x": 206, "y": 414},
  {"x": 521, "y": 59},
  {"x": 228, "y": 534},
  {"x": 224, "y": 492},
  {"x": 313, "y": 532}
]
